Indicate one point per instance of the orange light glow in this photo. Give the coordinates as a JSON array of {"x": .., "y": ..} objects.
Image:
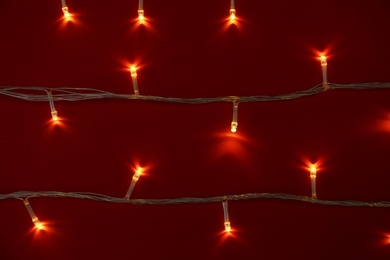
[
  {"x": 141, "y": 15},
  {"x": 313, "y": 171},
  {"x": 133, "y": 71},
  {"x": 383, "y": 124},
  {"x": 137, "y": 173},
  {"x": 311, "y": 165},
  {"x": 323, "y": 53},
  {"x": 228, "y": 228},
  {"x": 234, "y": 145},
  {"x": 68, "y": 18},
  {"x": 232, "y": 16},
  {"x": 38, "y": 224},
  {"x": 60, "y": 122},
  {"x": 130, "y": 66},
  {"x": 67, "y": 15},
  {"x": 54, "y": 116},
  {"x": 323, "y": 60},
  {"x": 231, "y": 22},
  {"x": 224, "y": 236},
  {"x": 138, "y": 170}
]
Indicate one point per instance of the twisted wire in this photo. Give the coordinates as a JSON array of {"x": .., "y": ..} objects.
[
  {"x": 39, "y": 94},
  {"x": 21, "y": 195}
]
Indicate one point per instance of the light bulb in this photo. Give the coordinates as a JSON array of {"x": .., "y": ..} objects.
[
  {"x": 137, "y": 174},
  {"x": 233, "y": 127},
  {"x": 134, "y": 180},
  {"x": 54, "y": 114},
  {"x": 133, "y": 71},
  {"x": 313, "y": 171},
  {"x": 232, "y": 16},
  {"x": 313, "y": 175},
  {"x": 232, "y": 11},
  {"x": 234, "y": 123},
  {"x": 133, "y": 74},
  {"x": 323, "y": 60},
  {"x": 65, "y": 10},
  {"x": 34, "y": 217},
  {"x": 228, "y": 228},
  {"x": 324, "y": 64},
  {"x": 141, "y": 16}
]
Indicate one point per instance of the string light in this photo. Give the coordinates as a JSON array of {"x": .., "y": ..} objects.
[
  {"x": 141, "y": 16},
  {"x": 187, "y": 200},
  {"x": 235, "y": 114},
  {"x": 232, "y": 12},
  {"x": 34, "y": 217},
  {"x": 324, "y": 64},
  {"x": 133, "y": 73},
  {"x": 65, "y": 9},
  {"x": 54, "y": 113},
  {"x": 313, "y": 175},
  {"x": 79, "y": 94},
  {"x": 228, "y": 228},
  {"x": 72, "y": 94},
  {"x": 136, "y": 176}
]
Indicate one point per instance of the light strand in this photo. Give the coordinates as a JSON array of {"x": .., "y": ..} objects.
[
  {"x": 79, "y": 94},
  {"x": 190, "y": 200}
]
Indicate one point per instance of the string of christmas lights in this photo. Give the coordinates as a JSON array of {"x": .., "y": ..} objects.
[
  {"x": 22, "y": 195},
  {"x": 26, "y": 195},
  {"x": 78, "y": 94}
]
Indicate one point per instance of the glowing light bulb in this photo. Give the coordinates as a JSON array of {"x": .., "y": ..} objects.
[
  {"x": 54, "y": 114},
  {"x": 65, "y": 10},
  {"x": 234, "y": 124},
  {"x": 323, "y": 60},
  {"x": 228, "y": 228},
  {"x": 34, "y": 218},
  {"x": 313, "y": 175},
  {"x": 232, "y": 16},
  {"x": 134, "y": 180},
  {"x": 133, "y": 74},
  {"x": 324, "y": 64},
  {"x": 137, "y": 174},
  {"x": 141, "y": 16},
  {"x": 313, "y": 171},
  {"x": 232, "y": 11},
  {"x": 133, "y": 71}
]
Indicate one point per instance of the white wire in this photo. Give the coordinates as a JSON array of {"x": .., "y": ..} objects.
[
  {"x": 22, "y": 195},
  {"x": 79, "y": 94}
]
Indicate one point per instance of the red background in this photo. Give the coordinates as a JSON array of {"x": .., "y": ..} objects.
[{"x": 188, "y": 49}]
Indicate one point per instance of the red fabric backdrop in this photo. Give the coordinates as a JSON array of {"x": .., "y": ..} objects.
[{"x": 188, "y": 49}]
